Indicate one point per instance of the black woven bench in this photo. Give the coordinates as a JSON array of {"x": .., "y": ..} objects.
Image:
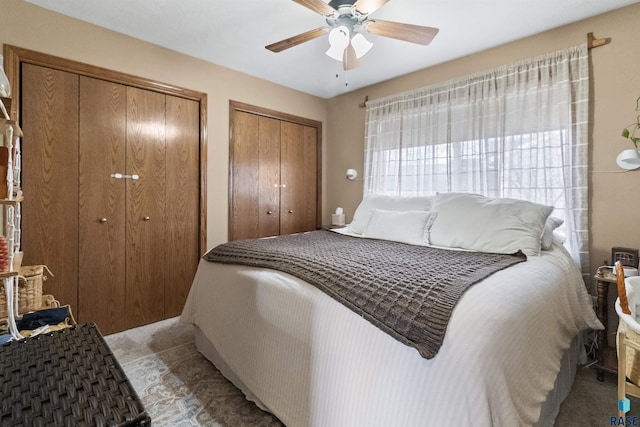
[{"x": 66, "y": 378}]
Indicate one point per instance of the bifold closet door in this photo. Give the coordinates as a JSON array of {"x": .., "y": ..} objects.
[
  {"x": 146, "y": 240},
  {"x": 298, "y": 171},
  {"x": 183, "y": 201},
  {"x": 255, "y": 170},
  {"x": 49, "y": 111},
  {"x": 101, "y": 284},
  {"x": 269, "y": 183},
  {"x": 123, "y": 252}
]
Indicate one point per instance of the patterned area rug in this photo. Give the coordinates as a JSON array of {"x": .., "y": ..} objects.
[{"x": 177, "y": 385}]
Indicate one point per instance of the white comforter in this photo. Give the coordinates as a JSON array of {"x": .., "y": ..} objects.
[{"x": 313, "y": 362}]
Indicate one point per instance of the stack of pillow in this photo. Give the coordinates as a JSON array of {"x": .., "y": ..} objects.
[{"x": 458, "y": 220}]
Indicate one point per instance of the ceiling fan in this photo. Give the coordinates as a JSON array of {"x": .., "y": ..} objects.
[{"x": 347, "y": 21}]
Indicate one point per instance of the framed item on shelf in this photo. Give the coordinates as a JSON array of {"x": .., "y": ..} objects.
[{"x": 628, "y": 256}]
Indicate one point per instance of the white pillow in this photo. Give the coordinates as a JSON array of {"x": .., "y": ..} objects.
[
  {"x": 406, "y": 227},
  {"x": 476, "y": 222},
  {"x": 547, "y": 235},
  {"x": 559, "y": 237},
  {"x": 388, "y": 203}
]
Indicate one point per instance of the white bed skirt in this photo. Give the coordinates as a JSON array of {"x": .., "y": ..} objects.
[{"x": 570, "y": 360}]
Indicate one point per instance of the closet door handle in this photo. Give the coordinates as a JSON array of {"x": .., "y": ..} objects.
[
  {"x": 146, "y": 218},
  {"x": 290, "y": 210},
  {"x": 123, "y": 176},
  {"x": 269, "y": 212},
  {"x": 103, "y": 220}
]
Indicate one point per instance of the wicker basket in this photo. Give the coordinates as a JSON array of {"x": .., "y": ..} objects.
[
  {"x": 48, "y": 301},
  {"x": 632, "y": 370},
  {"x": 30, "y": 280},
  {"x": 630, "y": 325}
]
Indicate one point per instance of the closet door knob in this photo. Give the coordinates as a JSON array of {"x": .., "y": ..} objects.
[
  {"x": 290, "y": 210},
  {"x": 269, "y": 212},
  {"x": 146, "y": 218},
  {"x": 103, "y": 220}
]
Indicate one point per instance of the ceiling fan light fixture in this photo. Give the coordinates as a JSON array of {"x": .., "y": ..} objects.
[
  {"x": 335, "y": 53},
  {"x": 361, "y": 45},
  {"x": 338, "y": 41},
  {"x": 347, "y": 20}
]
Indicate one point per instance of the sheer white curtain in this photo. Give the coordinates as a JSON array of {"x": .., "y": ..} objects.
[{"x": 517, "y": 131}]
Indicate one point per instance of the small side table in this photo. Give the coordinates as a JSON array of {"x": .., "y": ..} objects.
[{"x": 607, "y": 357}]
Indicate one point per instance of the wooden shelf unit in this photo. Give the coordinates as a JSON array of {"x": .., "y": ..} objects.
[
  {"x": 5, "y": 108},
  {"x": 10, "y": 207},
  {"x": 8, "y": 274},
  {"x": 14, "y": 202}
]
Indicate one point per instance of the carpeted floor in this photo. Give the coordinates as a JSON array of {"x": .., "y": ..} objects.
[{"x": 179, "y": 387}]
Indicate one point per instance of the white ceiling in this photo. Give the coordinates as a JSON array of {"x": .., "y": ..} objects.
[{"x": 233, "y": 33}]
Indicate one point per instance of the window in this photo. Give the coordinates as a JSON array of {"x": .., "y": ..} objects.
[{"x": 519, "y": 131}]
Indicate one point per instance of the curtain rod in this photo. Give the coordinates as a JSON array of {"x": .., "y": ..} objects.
[{"x": 592, "y": 42}]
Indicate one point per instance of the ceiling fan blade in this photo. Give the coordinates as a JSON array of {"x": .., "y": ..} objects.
[
  {"x": 317, "y": 6},
  {"x": 349, "y": 59},
  {"x": 407, "y": 32},
  {"x": 369, "y": 6},
  {"x": 296, "y": 40}
]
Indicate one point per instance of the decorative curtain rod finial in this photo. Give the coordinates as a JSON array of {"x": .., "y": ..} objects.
[{"x": 594, "y": 42}]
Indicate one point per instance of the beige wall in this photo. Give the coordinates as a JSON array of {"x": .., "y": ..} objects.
[
  {"x": 615, "y": 85},
  {"x": 31, "y": 27}
]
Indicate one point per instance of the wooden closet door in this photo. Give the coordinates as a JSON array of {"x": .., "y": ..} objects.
[
  {"x": 298, "y": 169},
  {"x": 101, "y": 290},
  {"x": 145, "y": 207},
  {"x": 244, "y": 176},
  {"x": 255, "y": 176},
  {"x": 183, "y": 201},
  {"x": 49, "y": 102},
  {"x": 269, "y": 177}
]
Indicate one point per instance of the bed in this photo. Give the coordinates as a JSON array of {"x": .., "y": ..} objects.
[{"x": 508, "y": 357}]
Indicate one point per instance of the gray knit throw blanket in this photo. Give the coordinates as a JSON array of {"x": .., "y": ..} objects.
[{"x": 407, "y": 291}]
